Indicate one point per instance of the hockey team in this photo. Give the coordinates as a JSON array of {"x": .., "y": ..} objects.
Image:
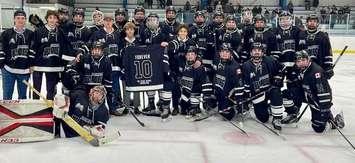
[{"x": 224, "y": 64}]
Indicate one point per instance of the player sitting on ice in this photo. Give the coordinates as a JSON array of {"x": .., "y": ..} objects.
[
  {"x": 318, "y": 93},
  {"x": 88, "y": 110}
]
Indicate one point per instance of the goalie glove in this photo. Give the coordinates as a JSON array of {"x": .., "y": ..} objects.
[{"x": 60, "y": 107}]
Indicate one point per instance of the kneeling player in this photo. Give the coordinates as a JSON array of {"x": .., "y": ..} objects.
[
  {"x": 317, "y": 91},
  {"x": 193, "y": 82},
  {"x": 228, "y": 82},
  {"x": 263, "y": 82},
  {"x": 88, "y": 110}
]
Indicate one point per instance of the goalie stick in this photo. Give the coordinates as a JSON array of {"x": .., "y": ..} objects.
[{"x": 85, "y": 134}]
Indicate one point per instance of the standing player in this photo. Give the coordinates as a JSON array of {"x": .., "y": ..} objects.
[
  {"x": 318, "y": 46},
  {"x": 290, "y": 39},
  {"x": 170, "y": 24},
  {"x": 16, "y": 57}
]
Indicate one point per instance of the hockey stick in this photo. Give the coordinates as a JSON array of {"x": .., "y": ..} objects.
[
  {"x": 347, "y": 140},
  {"x": 270, "y": 129},
  {"x": 300, "y": 116},
  {"x": 235, "y": 125},
  {"x": 131, "y": 110},
  {"x": 340, "y": 55}
]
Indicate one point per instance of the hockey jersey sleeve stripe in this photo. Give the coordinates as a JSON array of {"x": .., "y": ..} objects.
[
  {"x": 324, "y": 94},
  {"x": 329, "y": 57},
  {"x": 67, "y": 57},
  {"x": 166, "y": 62},
  {"x": 116, "y": 68},
  {"x": 324, "y": 101}
]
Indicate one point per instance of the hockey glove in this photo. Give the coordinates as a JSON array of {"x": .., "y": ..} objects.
[{"x": 329, "y": 73}]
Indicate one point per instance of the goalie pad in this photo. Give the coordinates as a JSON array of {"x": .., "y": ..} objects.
[{"x": 25, "y": 121}]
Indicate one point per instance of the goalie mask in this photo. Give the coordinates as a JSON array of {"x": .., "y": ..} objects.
[
  {"x": 98, "y": 17},
  {"x": 257, "y": 52},
  {"x": 285, "y": 20},
  {"x": 152, "y": 22},
  {"x": 97, "y": 95}
]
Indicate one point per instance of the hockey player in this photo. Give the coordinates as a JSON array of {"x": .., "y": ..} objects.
[
  {"x": 217, "y": 22},
  {"x": 49, "y": 45},
  {"x": 153, "y": 35},
  {"x": 129, "y": 40},
  {"x": 317, "y": 92},
  {"x": 16, "y": 57},
  {"x": 78, "y": 35},
  {"x": 263, "y": 75},
  {"x": 318, "y": 46},
  {"x": 228, "y": 82},
  {"x": 64, "y": 23},
  {"x": 290, "y": 39},
  {"x": 231, "y": 37},
  {"x": 177, "y": 49},
  {"x": 120, "y": 19},
  {"x": 88, "y": 109},
  {"x": 91, "y": 70},
  {"x": 260, "y": 33},
  {"x": 170, "y": 24},
  {"x": 246, "y": 27},
  {"x": 202, "y": 35},
  {"x": 98, "y": 20},
  {"x": 138, "y": 20},
  {"x": 111, "y": 40},
  {"x": 193, "y": 82}
]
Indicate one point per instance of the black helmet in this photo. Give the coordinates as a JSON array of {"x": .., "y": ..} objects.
[
  {"x": 120, "y": 11},
  {"x": 63, "y": 11},
  {"x": 285, "y": 13},
  {"x": 231, "y": 17},
  {"x": 153, "y": 14},
  {"x": 139, "y": 9},
  {"x": 257, "y": 45},
  {"x": 170, "y": 8},
  {"x": 78, "y": 11},
  {"x": 259, "y": 17},
  {"x": 199, "y": 13},
  {"x": 218, "y": 13},
  {"x": 20, "y": 13},
  {"x": 312, "y": 16},
  {"x": 302, "y": 54},
  {"x": 225, "y": 46},
  {"x": 192, "y": 49},
  {"x": 97, "y": 44}
]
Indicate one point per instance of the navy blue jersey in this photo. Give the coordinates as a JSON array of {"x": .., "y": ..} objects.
[
  {"x": 228, "y": 80},
  {"x": 15, "y": 53},
  {"x": 50, "y": 48},
  {"x": 261, "y": 77},
  {"x": 316, "y": 87},
  {"x": 177, "y": 49},
  {"x": 144, "y": 67},
  {"x": 192, "y": 81},
  {"x": 153, "y": 37},
  {"x": 79, "y": 37},
  {"x": 319, "y": 49},
  {"x": 169, "y": 29},
  {"x": 112, "y": 45},
  {"x": 204, "y": 39},
  {"x": 289, "y": 42},
  {"x": 232, "y": 39}
]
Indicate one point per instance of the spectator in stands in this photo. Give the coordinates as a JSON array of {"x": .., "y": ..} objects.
[
  {"x": 187, "y": 6},
  {"x": 267, "y": 15},
  {"x": 290, "y": 7},
  {"x": 169, "y": 3},
  {"x": 254, "y": 11},
  {"x": 307, "y": 4},
  {"x": 333, "y": 15},
  {"x": 162, "y": 4},
  {"x": 340, "y": 15},
  {"x": 323, "y": 14},
  {"x": 219, "y": 7},
  {"x": 149, "y": 3},
  {"x": 315, "y": 3},
  {"x": 239, "y": 8},
  {"x": 259, "y": 10}
]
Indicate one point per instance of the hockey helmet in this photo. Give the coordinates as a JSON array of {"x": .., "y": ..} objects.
[
  {"x": 79, "y": 11},
  {"x": 170, "y": 8},
  {"x": 120, "y": 11},
  {"x": 139, "y": 9}
]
